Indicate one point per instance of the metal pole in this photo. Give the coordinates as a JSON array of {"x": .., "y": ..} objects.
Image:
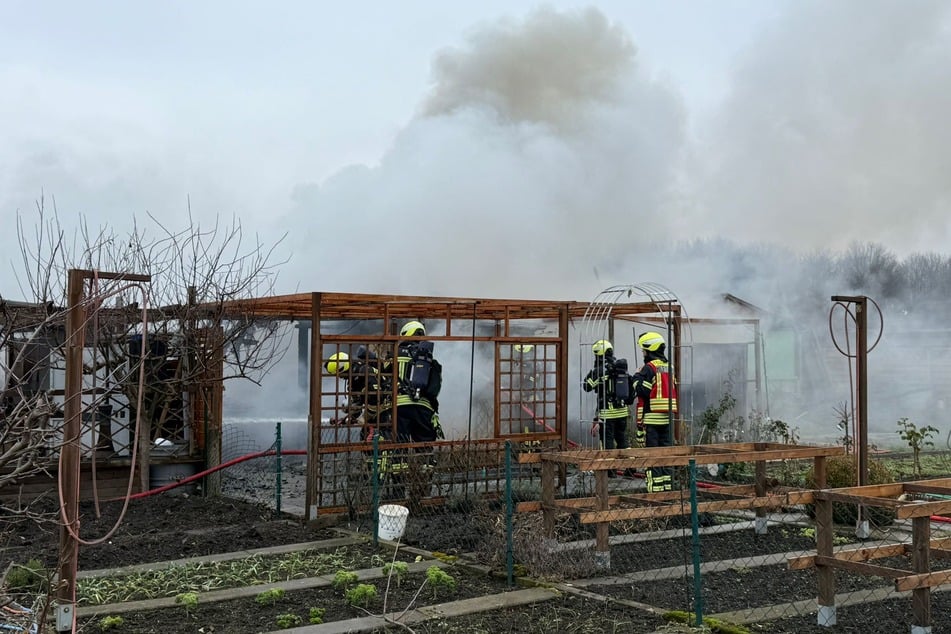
[
  {"x": 278, "y": 475},
  {"x": 509, "y": 553},
  {"x": 695, "y": 529},
  {"x": 861, "y": 360},
  {"x": 375, "y": 484}
]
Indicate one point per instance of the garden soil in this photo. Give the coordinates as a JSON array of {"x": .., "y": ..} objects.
[{"x": 166, "y": 527}]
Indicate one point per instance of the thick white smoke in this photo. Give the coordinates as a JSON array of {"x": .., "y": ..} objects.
[
  {"x": 542, "y": 148},
  {"x": 835, "y": 130}
]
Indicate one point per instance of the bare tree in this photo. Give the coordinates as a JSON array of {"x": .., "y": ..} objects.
[
  {"x": 173, "y": 332},
  {"x": 928, "y": 277},
  {"x": 872, "y": 269}
]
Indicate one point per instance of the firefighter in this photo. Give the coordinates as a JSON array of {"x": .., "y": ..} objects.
[
  {"x": 656, "y": 393},
  {"x": 418, "y": 381},
  {"x": 526, "y": 368},
  {"x": 528, "y": 384},
  {"x": 368, "y": 392},
  {"x": 417, "y": 405},
  {"x": 368, "y": 402},
  {"x": 610, "y": 380}
]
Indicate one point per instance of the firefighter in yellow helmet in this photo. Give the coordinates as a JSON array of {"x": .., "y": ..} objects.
[
  {"x": 368, "y": 391},
  {"x": 612, "y": 384},
  {"x": 656, "y": 393},
  {"x": 528, "y": 383},
  {"x": 419, "y": 379}
]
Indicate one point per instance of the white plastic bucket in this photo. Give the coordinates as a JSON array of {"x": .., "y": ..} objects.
[{"x": 392, "y": 521}]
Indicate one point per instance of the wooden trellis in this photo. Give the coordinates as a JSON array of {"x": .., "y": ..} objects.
[
  {"x": 915, "y": 501},
  {"x": 604, "y": 508}
]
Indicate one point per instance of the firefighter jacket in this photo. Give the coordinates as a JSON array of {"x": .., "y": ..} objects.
[
  {"x": 404, "y": 361},
  {"x": 601, "y": 379},
  {"x": 368, "y": 393},
  {"x": 656, "y": 392}
]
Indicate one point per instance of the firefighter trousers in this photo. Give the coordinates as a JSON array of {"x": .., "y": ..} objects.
[{"x": 658, "y": 478}]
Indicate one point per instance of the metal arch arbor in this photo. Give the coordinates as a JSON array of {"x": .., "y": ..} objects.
[{"x": 597, "y": 322}]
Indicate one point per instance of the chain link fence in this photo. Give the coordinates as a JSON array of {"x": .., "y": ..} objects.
[{"x": 694, "y": 553}]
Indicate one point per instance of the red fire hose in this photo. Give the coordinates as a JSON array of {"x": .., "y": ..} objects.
[{"x": 223, "y": 465}]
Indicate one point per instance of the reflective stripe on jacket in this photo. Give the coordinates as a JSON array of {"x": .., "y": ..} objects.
[
  {"x": 656, "y": 393},
  {"x": 598, "y": 380}
]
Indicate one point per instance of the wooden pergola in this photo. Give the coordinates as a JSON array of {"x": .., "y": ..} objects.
[{"x": 451, "y": 313}]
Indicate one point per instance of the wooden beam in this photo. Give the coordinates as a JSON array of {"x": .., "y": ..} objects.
[
  {"x": 874, "y": 495},
  {"x": 592, "y": 517},
  {"x": 860, "y": 567},
  {"x": 922, "y": 582},
  {"x": 940, "y": 545},
  {"x": 923, "y": 509},
  {"x": 930, "y": 489}
]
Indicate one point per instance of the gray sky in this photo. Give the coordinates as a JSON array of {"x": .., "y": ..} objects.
[{"x": 495, "y": 145}]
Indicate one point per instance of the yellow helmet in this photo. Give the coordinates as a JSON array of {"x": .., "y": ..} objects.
[
  {"x": 523, "y": 348},
  {"x": 602, "y": 347},
  {"x": 338, "y": 363},
  {"x": 412, "y": 329},
  {"x": 651, "y": 341}
]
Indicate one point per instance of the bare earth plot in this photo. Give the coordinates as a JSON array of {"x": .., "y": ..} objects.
[{"x": 644, "y": 574}]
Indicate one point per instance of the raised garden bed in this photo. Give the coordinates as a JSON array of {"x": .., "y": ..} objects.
[
  {"x": 161, "y": 528},
  {"x": 248, "y": 615},
  {"x": 204, "y": 576}
]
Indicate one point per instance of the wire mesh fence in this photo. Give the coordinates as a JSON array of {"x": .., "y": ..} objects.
[{"x": 739, "y": 542}]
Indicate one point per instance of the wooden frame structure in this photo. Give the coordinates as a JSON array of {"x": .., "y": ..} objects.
[
  {"x": 603, "y": 508},
  {"x": 910, "y": 501},
  {"x": 451, "y": 312}
]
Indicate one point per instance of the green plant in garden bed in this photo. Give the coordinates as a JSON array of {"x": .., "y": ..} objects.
[
  {"x": 107, "y": 623},
  {"x": 362, "y": 595},
  {"x": 810, "y": 532},
  {"x": 344, "y": 578},
  {"x": 187, "y": 599},
  {"x": 398, "y": 569},
  {"x": 270, "y": 597},
  {"x": 316, "y": 615},
  {"x": 917, "y": 438},
  {"x": 440, "y": 580},
  {"x": 204, "y": 577},
  {"x": 28, "y": 577},
  {"x": 288, "y": 620}
]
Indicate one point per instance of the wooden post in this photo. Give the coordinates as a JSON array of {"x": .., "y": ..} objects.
[
  {"x": 561, "y": 394},
  {"x": 602, "y": 550},
  {"x": 313, "y": 416},
  {"x": 561, "y": 404},
  {"x": 921, "y": 564},
  {"x": 819, "y": 470},
  {"x": 548, "y": 498},
  {"x": 759, "y": 524},
  {"x": 825, "y": 574},
  {"x": 213, "y": 395},
  {"x": 69, "y": 477}
]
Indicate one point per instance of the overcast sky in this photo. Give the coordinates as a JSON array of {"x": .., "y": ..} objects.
[{"x": 476, "y": 148}]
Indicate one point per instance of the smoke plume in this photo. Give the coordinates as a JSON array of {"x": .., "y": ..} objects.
[{"x": 542, "y": 148}]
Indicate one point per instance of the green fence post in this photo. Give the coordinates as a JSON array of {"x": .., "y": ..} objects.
[
  {"x": 695, "y": 529},
  {"x": 375, "y": 484},
  {"x": 278, "y": 466},
  {"x": 509, "y": 515}
]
